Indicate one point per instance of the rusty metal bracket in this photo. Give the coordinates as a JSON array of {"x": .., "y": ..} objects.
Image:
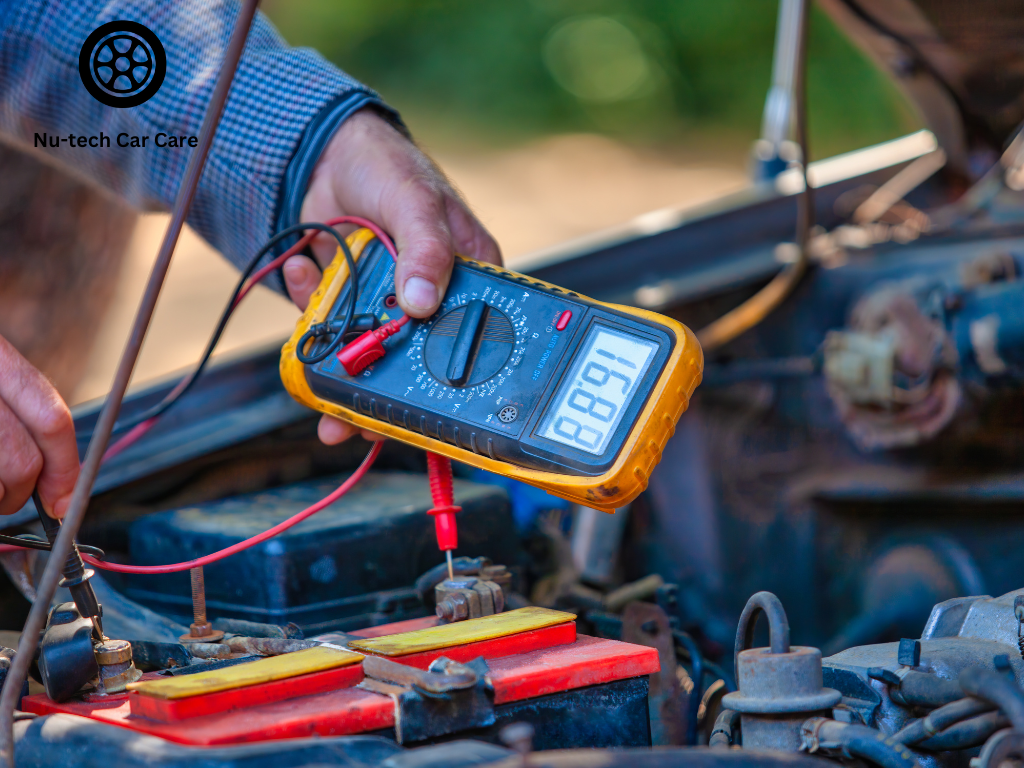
[
  {"x": 446, "y": 698},
  {"x": 648, "y": 624}
]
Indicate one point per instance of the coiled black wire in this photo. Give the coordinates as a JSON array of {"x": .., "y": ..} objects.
[{"x": 160, "y": 408}]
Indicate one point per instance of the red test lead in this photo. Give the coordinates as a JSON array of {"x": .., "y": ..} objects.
[{"x": 439, "y": 469}]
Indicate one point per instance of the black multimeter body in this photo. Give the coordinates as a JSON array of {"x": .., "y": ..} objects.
[{"x": 488, "y": 371}]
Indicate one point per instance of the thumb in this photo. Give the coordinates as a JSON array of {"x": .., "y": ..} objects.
[
  {"x": 420, "y": 226},
  {"x": 301, "y": 278}
]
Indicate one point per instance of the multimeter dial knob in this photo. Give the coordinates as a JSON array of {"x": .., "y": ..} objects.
[{"x": 469, "y": 344}]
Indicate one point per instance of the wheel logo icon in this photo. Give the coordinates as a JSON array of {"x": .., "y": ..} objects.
[
  {"x": 508, "y": 414},
  {"x": 122, "y": 64}
]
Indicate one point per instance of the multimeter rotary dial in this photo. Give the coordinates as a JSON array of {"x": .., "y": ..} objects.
[{"x": 469, "y": 344}]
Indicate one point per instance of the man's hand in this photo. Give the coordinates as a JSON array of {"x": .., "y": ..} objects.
[
  {"x": 37, "y": 438},
  {"x": 369, "y": 169}
]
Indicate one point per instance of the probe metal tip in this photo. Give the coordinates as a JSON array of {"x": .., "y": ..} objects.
[{"x": 451, "y": 570}]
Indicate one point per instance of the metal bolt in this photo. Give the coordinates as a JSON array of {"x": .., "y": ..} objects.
[
  {"x": 650, "y": 627},
  {"x": 198, "y": 597},
  {"x": 454, "y": 607},
  {"x": 201, "y": 630}
]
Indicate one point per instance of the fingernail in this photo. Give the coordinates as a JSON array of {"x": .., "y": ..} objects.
[
  {"x": 61, "y": 507},
  {"x": 294, "y": 273},
  {"x": 420, "y": 293}
]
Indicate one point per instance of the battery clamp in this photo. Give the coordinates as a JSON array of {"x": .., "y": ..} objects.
[{"x": 512, "y": 375}]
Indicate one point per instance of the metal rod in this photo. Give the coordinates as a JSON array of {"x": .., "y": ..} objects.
[
  {"x": 451, "y": 570},
  {"x": 755, "y": 309},
  {"x": 105, "y": 424},
  {"x": 198, "y": 596}
]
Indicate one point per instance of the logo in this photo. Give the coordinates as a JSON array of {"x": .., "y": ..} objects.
[{"x": 122, "y": 64}]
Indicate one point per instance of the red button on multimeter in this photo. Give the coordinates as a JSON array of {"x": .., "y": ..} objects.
[{"x": 597, "y": 393}]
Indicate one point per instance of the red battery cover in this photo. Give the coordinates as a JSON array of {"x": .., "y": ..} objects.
[{"x": 523, "y": 666}]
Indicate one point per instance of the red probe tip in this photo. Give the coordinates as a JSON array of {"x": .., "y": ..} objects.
[
  {"x": 439, "y": 470},
  {"x": 445, "y": 527}
]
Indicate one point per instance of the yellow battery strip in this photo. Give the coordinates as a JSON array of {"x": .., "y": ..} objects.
[
  {"x": 263, "y": 671},
  {"x": 463, "y": 632}
]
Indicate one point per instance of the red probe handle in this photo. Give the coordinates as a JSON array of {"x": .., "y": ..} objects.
[
  {"x": 439, "y": 470},
  {"x": 358, "y": 354}
]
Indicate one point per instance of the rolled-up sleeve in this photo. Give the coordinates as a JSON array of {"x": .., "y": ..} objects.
[{"x": 276, "y": 94}]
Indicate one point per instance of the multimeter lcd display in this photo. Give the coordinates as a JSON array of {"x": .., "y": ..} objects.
[{"x": 597, "y": 390}]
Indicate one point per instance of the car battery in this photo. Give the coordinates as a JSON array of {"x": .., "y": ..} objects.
[
  {"x": 414, "y": 681},
  {"x": 351, "y": 565}
]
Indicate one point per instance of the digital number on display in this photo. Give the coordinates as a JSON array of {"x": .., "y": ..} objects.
[{"x": 597, "y": 390}]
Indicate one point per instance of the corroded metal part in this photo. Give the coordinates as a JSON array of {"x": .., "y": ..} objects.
[
  {"x": 116, "y": 668},
  {"x": 267, "y": 646},
  {"x": 779, "y": 687},
  {"x": 201, "y": 630},
  {"x": 471, "y": 597},
  {"x": 648, "y": 624}
]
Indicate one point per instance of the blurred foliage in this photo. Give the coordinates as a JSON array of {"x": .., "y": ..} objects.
[{"x": 638, "y": 70}]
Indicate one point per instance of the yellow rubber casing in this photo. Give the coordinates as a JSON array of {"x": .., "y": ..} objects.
[{"x": 616, "y": 487}]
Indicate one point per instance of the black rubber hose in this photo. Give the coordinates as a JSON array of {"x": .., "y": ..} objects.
[
  {"x": 867, "y": 743},
  {"x": 778, "y": 625},
  {"x": 942, "y": 718},
  {"x": 697, "y": 665},
  {"x": 723, "y": 735},
  {"x": 923, "y": 689},
  {"x": 966, "y": 734},
  {"x": 718, "y": 673},
  {"x": 996, "y": 688},
  {"x": 861, "y": 741}
]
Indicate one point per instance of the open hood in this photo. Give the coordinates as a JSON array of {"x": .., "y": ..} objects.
[{"x": 961, "y": 63}]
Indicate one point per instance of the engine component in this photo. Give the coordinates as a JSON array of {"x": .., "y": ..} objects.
[
  {"x": 779, "y": 686},
  {"x": 856, "y": 740}
]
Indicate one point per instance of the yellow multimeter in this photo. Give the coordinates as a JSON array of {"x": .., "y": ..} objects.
[{"x": 512, "y": 375}]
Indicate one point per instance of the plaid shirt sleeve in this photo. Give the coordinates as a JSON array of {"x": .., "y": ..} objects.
[{"x": 277, "y": 93}]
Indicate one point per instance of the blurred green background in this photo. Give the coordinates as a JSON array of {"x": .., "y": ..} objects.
[{"x": 652, "y": 72}]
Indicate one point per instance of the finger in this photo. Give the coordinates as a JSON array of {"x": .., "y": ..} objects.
[
  {"x": 325, "y": 246},
  {"x": 373, "y": 437},
  {"x": 20, "y": 462},
  {"x": 415, "y": 214},
  {"x": 470, "y": 237},
  {"x": 301, "y": 279},
  {"x": 332, "y": 431},
  {"x": 45, "y": 416}
]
